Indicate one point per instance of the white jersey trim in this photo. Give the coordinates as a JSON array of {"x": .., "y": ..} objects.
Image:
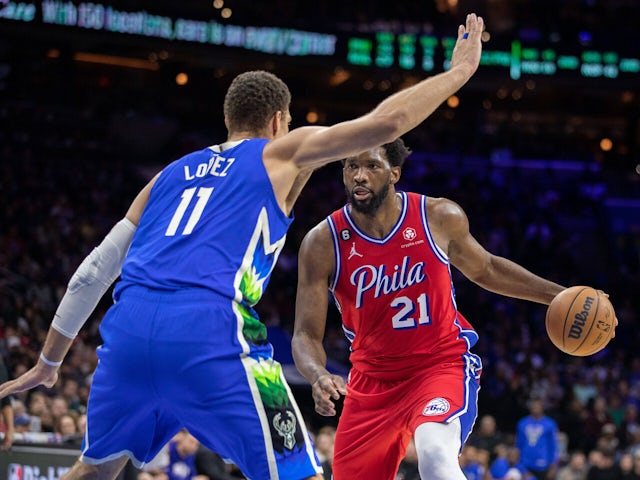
[
  {"x": 437, "y": 251},
  {"x": 226, "y": 146},
  {"x": 336, "y": 253}
]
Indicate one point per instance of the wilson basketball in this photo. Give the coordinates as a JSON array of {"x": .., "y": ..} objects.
[{"x": 580, "y": 321}]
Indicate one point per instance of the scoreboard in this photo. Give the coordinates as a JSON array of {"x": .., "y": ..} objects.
[
  {"x": 380, "y": 50},
  {"x": 429, "y": 53}
]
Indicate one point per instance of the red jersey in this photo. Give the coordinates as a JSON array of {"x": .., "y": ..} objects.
[{"x": 396, "y": 295}]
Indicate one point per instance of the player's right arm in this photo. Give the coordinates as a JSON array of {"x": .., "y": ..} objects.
[
  {"x": 393, "y": 117},
  {"x": 88, "y": 284},
  {"x": 315, "y": 269}
]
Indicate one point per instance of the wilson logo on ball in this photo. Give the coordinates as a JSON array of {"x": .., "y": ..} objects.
[{"x": 580, "y": 318}]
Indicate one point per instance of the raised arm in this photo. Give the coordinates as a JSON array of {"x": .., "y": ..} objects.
[
  {"x": 396, "y": 115},
  {"x": 491, "y": 272},
  {"x": 88, "y": 284},
  {"x": 315, "y": 268}
]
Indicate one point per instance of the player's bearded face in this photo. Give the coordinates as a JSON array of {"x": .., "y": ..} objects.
[{"x": 371, "y": 203}]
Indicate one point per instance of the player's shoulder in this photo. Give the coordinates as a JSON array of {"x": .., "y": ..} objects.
[
  {"x": 318, "y": 239},
  {"x": 443, "y": 209},
  {"x": 446, "y": 217}
]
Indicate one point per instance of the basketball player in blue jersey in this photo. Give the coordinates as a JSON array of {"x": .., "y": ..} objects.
[{"x": 183, "y": 347}]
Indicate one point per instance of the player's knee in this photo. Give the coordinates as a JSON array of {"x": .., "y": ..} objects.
[{"x": 438, "y": 445}]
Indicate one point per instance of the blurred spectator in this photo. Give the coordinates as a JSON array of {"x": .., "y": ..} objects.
[
  {"x": 630, "y": 425},
  {"x": 211, "y": 465},
  {"x": 595, "y": 421},
  {"x": 625, "y": 462},
  {"x": 59, "y": 406},
  {"x": 507, "y": 462},
  {"x": 70, "y": 393},
  {"x": 469, "y": 463},
  {"x": 513, "y": 474},
  {"x": 608, "y": 439},
  {"x": 324, "y": 442},
  {"x": 537, "y": 440},
  {"x": 576, "y": 469},
  {"x": 66, "y": 425},
  {"x": 486, "y": 436},
  {"x": 82, "y": 423},
  {"x": 634, "y": 474},
  {"x": 604, "y": 467},
  {"x": 22, "y": 423},
  {"x": 6, "y": 412},
  {"x": 153, "y": 470},
  {"x": 572, "y": 422},
  {"x": 182, "y": 457}
]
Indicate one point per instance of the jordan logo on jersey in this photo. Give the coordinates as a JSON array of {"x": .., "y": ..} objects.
[{"x": 353, "y": 252}]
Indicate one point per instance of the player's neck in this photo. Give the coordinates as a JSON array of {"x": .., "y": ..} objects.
[
  {"x": 378, "y": 224},
  {"x": 235, "y": 136}
]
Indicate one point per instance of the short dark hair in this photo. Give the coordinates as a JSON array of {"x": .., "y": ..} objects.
[
  {"x": 253, "y": 98},
  {"x": 396, "y": 152}
]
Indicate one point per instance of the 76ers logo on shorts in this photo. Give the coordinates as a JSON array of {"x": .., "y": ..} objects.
[{"x": 436, "y": 406}]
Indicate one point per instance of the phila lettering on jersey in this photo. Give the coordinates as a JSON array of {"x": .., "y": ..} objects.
[{"x": 395, "y": 294}]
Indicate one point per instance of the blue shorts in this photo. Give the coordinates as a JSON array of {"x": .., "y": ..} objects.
[{"x": 173, "y": 360}]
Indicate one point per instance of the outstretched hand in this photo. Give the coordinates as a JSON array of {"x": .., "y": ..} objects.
[
  {"x": 40, "y": 374},
  {"x": 326, "y": 389},
  {"x": 468, "y": 48}
]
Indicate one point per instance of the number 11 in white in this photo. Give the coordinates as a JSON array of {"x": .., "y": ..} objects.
[{"x": 187, "y": 196}]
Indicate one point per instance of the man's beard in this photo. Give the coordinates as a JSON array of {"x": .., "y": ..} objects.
[{"x": 372, "y": 204}]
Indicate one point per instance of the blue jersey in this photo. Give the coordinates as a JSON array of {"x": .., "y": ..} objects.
[
  {"x": 537, "y": 440},
  {"x": 182, "y": 345},
  {"x": 212, "y": 221}
]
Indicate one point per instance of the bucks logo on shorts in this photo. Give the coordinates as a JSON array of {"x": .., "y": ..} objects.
[
  {"x": 285, "y": 424},
  {"x": 286, "y": 433}
]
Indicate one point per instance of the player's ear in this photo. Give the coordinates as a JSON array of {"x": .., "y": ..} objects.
[
  {"x": 396, "y": 172},
  {"x": 275, "y": 123}
]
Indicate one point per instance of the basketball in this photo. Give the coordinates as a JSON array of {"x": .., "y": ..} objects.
[{"x": 580, "y": 321}]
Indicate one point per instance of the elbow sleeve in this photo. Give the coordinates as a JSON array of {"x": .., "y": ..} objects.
[{"x": 92, "y": 279}]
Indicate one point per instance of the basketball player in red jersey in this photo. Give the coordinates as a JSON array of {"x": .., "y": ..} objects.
[{"x": 386, "y": 259}]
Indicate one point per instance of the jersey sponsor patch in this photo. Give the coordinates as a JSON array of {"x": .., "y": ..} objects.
[
  {"x": 409, "y": 233},
  {"x": 436, "y": 406}
]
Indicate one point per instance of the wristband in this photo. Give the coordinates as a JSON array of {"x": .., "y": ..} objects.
[{"x": 46, "y": 361}]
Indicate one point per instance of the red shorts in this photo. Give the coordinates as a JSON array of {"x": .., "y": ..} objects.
[{"x": 380, "y": 417}]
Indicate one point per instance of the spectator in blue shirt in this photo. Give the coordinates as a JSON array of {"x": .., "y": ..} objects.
[
  {"x": 182, "y": 457},
  {"x": 537, "y": 440}
]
